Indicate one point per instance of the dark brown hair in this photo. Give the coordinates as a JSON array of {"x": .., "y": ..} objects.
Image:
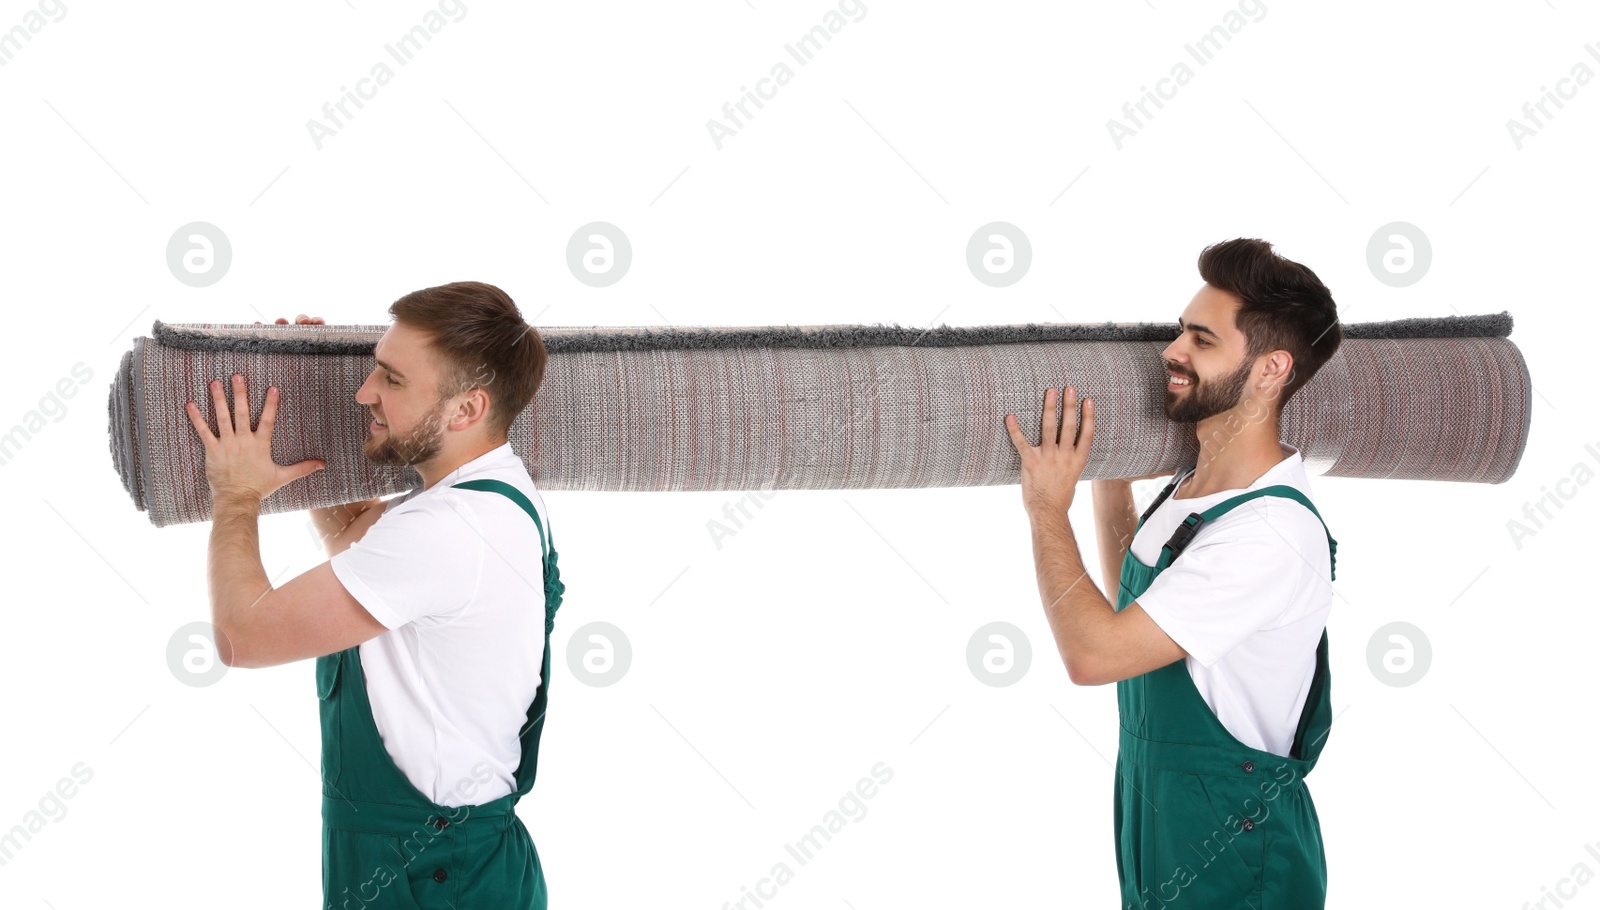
[
  {"x": 478, "y": 334},
  {"x": 1284, "y": 306}
]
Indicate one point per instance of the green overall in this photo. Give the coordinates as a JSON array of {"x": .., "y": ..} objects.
[
  {"x": 384, "y": 844},
  {"x": 1202, "y": 820}
]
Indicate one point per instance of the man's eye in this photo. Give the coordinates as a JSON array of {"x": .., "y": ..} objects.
[
  {"x": 1201, "y": 341},
  {"x": 391, "y": 380}
]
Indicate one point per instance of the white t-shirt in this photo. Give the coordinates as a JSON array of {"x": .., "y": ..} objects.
[
  {"x": 1248, "y": 599},
  {"x": 457, "y": 576}
]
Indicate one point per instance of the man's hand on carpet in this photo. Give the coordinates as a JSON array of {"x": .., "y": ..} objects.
[
  {"x": 239, "y": 459},
  {"x": 1050, "y": 470}
]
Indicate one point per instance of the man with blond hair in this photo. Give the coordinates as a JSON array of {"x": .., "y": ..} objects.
[{"x": 430, "y": 620}]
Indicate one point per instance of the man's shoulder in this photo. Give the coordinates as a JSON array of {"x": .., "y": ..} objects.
[
  {"x": 442, "y": 511},
  {"x": 1275, "y": 521},
  {"x": 1288, "y": 513},
  {"x": 483, "y": 503}
]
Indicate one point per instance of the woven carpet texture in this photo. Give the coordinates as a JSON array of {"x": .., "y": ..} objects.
[{"x": 639, "y": 408}]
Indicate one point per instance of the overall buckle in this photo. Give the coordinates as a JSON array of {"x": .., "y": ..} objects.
[{"x": 1185, "y": 532}]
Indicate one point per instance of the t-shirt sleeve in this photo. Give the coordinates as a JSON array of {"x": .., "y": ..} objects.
[
  {"x": 1233, "y": 582},
  {"x": 412, "y": 564}
]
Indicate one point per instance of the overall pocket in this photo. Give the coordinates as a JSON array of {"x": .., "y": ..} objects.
[
  {"x": 362, "y": 869},
  {"x": 1240, "y": 820},
  {"x": 331, "y": 708},
  {"x": 1131, "y": 696},
  {"x": 328, "y": 674}
]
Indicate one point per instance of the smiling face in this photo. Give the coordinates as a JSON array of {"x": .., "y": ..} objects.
[
  {"x": 1210, "y": 355},
  {"x": 402, "y": 394}
]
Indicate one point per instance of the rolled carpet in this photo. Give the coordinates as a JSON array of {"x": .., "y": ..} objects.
[{"x": 821, "y": 407}]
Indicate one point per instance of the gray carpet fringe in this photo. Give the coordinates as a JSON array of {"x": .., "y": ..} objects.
[{"x": 592, "y": 339}]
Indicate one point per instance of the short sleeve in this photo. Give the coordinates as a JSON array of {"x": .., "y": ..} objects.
[
  {"x": 1233, "y": 582},
  {"x": 413, "y": 564}
]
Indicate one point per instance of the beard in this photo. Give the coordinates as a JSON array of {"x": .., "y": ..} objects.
[
  {"x": 1212, "y": 396},
  {"x": 419, "y": 446}
]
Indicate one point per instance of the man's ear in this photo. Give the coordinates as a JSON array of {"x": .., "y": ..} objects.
[
  {"x": 474, "y": 407},
  {"x": 1275, "y": 364}
]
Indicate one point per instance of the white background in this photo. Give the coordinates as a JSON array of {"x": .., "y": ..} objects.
[{"x": 830, "y": 633}]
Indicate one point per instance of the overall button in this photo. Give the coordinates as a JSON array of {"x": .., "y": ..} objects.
[
  {"x": 1248, "y": 824},
  {"x": 1249, "y": 766},
  {"x": 440, "y": 875},
  {"x": 441, "y": 822}
]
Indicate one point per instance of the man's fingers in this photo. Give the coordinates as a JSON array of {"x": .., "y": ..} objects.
[
  {"x": 224, "y": 428},
  {"x": 1047, "y": 421},
  {"x": 310, "y": 465},
  {"x": 1015, "y": 432},
  {"x": 269, "y": 411},
  {"x": 199, "y": 422},
  {"x": 241, "y": 406},
  {"x": 1084, "y": 425}
]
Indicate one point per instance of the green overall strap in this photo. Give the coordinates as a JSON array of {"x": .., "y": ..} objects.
[
  {"x": 516, "y": 496},
  {"x": 553, "y": 586},
  {"x": 1191, "y": 525},
  {"x": 553, "y": 590}
]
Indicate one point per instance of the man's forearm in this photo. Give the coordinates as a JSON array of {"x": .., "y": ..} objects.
[
  {"x": 1114, "y": 526},
  {"x": 1077, "y": 611},
  {"x": 341, "y": 526},
  {"x": 234, "y": 574}
]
